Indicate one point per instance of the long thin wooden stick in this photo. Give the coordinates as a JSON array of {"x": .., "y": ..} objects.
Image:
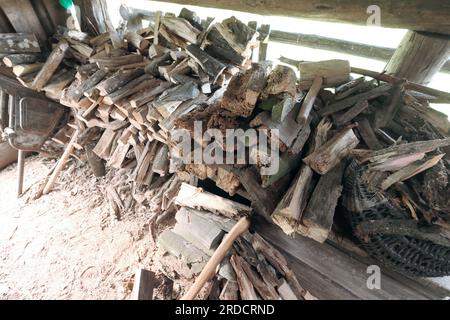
[
  {"x": 208, "y": 271},
  {"x": 61, "y": 162}
]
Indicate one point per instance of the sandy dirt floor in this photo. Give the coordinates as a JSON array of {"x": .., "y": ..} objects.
[{"x": 66, "y": 245}]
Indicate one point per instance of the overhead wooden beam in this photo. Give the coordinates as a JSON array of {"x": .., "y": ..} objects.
[
  {"x": 419, "y": 56},
  {"x": 422, "y": 15},
  {"x": 338, "y": 45}
]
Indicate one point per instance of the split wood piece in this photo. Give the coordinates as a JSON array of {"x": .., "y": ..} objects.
[
  {"x": 143, "y": 175},
  {"x": 96, "y": 163},
  {"x": 352, "y": 100},
  {"x": 197, "y": 198},
  {"x": 308, "y": 102},
  {"x": 408, "y": 228},
  {"x": 367, "y": 134},
  {"x": 263, "y": 200},
  {"x": 300, "y": 140},
  {"x": 229, "y": 291},
  {"x": 246, "y": 288},
  {"x": 18, "y": 43},
  {"x": 350, "y": 114},
  {"x": 349, "y": 88},
  {"x": 208, "y": 232},
  {"x": 285, "y": 131},
  {"x": 117, "y": 62},
  {"x": 282, "y": 79},
  {"x": 141, "y": 98},
  {"x": 53, "y": 89},
  {"x": 182, "y": 28},
  {"x": 137, "y": 41},
  {"x": 152, "y": 67},
  {"x": 170, "y": 99},
  {"x": 144, "y": 283},
  {"x": 118, "y": 156},
  {"x": 441, "y": 96},
  {"x": 50, "y": 66},
  {"x": 209, "y": 270},
  {"x": 265, "y": 292},
  {"x": 117, "y": 80},
  {"x": 285, "y": 291},
  {"x": 386, "y": 113},
  {"x": 171, "y": 39},
  {"x": 319, "y": 213},
  {"x": 61, "y": 163},
  {"x": 282, "y": 109},
  {"x": 24, "y": 69},
  {"x": 140, "y": 83},
  {"x": 406, "y": 149},
  {"x": 85, "y": 86},
  {"x": 289, "y": 210},
  {"x": 103, "y": 146},
  {"x": 85, "y": 71},
  {"x": 209, "y": 64},
  {"x": 244, "y": 89},
  {"x": 278, "y": 261},
  {"x": 191, "y": 17},
  {"x": 20, "y": 58},
  {"x": 177, "y": 246},
  {"x": 327, "y": 156},
  {"x": 410, "y": 171},
  {"x": 287, "y": 164},
  {"x": 332, "y": 72},
  {"x": 161, "y": 161},
  {"x": 230, "y": 41}
]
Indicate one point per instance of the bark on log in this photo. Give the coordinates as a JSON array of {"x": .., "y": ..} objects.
[{"x": 18, "y": 43}]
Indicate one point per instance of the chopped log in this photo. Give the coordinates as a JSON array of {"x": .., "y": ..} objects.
[
  {"x": 266, "y": 292},
  {"x": 19, "y": 43},
  {"x": 278, "y": 261},
  {"x": 117, "y": 80},
  {"x": 410, "y": 171},
  {"x": 85, "y": 86},
  {"x": 367, "y": 134},
  {"x": 246, "y": 289},
  {"x": 197, "y": 198},
  {"x": 282, "y": 79},
  {"x": 141, "y": 98},
  {"x": 352, "y": 100},
  {"x": 50, "y": 66},
  {"x": 210, "y": 65},
  {"x": 333, "y": 73},
  {"x": 140, "y": 83},
  {"x": 230, "y": 41},
  {"x": 103, "y": 146},
  {"x": 350, "y": 88},
  {"x": 96, "y": 163},
  {"x": 53, "y": 89},
  {"x": 182, "y": 28},
  {"x": 350, "y": 114},
  {"x": 309, "y": 100},
  {"x": 229, "y": 291},
  {"x": 161, "y": 161},
  {"x": 205, "y": 231},
  {"x": 152, "y": 67},
  {"x": 319, "y": 213},
  {"x": 118, "y": 156},
  {"x": 176, "y": 245},
  {"x": 332, "y": 152},
  {"x": 24, "y": 69},
  {"x": 300, "y": 140},
  {"x": 144, "y": 283},
  {"x": 116, "y": 62},
  {"x": 137, "y": 41},
  {"x": 244, "y": 89},
  {"x": 20, "y": 58}
]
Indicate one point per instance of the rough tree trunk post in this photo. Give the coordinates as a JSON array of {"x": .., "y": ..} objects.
[{"x": 419, "y": 56}]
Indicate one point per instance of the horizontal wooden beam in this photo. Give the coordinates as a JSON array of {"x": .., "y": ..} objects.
[
  {"x": 337, "y": 45},
  {"x": 421, "y": 15}
]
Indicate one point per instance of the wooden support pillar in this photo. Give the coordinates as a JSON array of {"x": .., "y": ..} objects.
[{"x": 419, "y": 56}]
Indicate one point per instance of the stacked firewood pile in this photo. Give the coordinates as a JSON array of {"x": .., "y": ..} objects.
[{"x": 131, "y": 89}]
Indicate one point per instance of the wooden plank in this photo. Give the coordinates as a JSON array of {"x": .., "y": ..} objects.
[
  {"x": 345, "y": 271},
  {"x": 432, "y": 17},
  {"x": 23, "y": 18}
]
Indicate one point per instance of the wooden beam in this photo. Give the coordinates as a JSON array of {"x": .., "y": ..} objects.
[
  {"x": 419, "y": 56},
  {"x": 423, "y": 15}
]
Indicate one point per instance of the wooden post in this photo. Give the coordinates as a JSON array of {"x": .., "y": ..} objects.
[
  {"x": 20, "y": 167},
  {"x": 419, "y": 56}
]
